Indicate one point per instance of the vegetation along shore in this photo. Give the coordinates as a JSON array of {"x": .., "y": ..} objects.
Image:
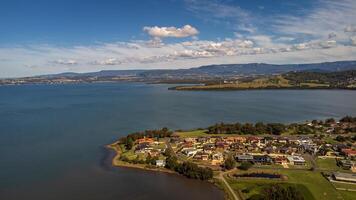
[
  {"x": 310, "y": 160},
  {"x": 290, "y": 80}
]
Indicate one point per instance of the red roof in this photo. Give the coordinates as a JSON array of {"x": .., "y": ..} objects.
[{"x": 349, "y": 151}]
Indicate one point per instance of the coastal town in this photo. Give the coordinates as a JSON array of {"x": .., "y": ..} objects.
[{"x": 328, "y": 149}]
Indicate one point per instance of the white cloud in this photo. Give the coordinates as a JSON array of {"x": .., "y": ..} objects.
[
  {"x": 350, "y": 29},
  {"x": 34, "y": 60},
  {"x": 162, "y": 32},
  {"x": 353, "y": 40},
  {"x": 65, "y": 62},
  {"x": 109, "y": 61},
  {"x": 325, "y": 33}
]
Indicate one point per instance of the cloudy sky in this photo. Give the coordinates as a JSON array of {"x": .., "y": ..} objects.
[{"x": 44, "y": 37}]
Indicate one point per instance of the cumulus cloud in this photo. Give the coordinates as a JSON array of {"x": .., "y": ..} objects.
[{"x": 162, "y": 32}]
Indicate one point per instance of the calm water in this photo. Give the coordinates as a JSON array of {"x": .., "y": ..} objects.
[{"x": 52, "y": 136}]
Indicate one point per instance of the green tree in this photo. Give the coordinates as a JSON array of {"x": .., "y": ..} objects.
[
  {"x": 129, "y": 143},
  {"x": 229, "y": 163},
  {"x": 245, "y": 165}
]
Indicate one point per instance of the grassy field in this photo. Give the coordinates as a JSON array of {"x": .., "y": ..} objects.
[
  {"x": 194, "y": 133},
  {"x": 312, "y": 184},
  {"x": 259, "y": 83},
  {"x": 200, "y": 133},
  {"x": 348, "y": 195},
  {"x": 327, "y": 164}
]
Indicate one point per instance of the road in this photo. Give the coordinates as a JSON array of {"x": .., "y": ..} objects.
[{"x": 222, "y": 178}]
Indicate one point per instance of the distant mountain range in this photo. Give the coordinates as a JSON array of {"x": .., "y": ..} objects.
[
  {"x": 203, "y": 74},
  {"x": 220, "y": 70}
]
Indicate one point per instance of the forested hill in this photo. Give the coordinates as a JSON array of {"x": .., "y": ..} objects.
[{"x": 252, "y": 69}]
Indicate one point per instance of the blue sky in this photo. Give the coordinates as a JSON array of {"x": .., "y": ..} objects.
[{"x": 40, "y": 37}]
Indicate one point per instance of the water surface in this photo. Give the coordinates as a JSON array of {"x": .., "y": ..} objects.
[{"x": 52, "y": 136}]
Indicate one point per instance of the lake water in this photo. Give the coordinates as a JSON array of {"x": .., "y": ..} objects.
[{"x": 52, "y": 136}]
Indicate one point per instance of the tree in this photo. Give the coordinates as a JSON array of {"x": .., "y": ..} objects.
[
  {"x": 229, "y": 163},
  {"x": 330, "y": 121},
  {"x": 260, "y": 128},
  {"x": 129, "y": 143},
  {"x": 276, "y": 128},
  {"x": 248, "y": 129},
  {"x": 171, "y": 162},
  {"x": 279, "y": 192},
  {"x": 347, "y": 119},
  {"x": 245, "y": 165}
]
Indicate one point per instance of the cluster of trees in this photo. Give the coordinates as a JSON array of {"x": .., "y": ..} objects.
[
  {"x": 279, "y": 192},
  {"x": 189, "y": 169},
  {"x": 149, "y": 160},
  {"x": 348, "y": 119},
  {"x": 247, "y": 128},
  {"x": 333, "y": 79},
  {"x": 131, "y": 138},
  {"x": 230, "y": 163},
  {"x": 340, "y": 138}
]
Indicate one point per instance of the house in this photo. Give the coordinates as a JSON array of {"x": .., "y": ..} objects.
[
  {"x": 237, "y": 147},
  {"x": 154, "y": 152},
  {"x": 235, "y": 139},
  {"x": 253, "y": 139},
  {"x": 142, "y": 147},
  {"x": 145, "y": 140},
  {"x": 208, "y": 148},
  {"x": 262, "y": 159},
  {"x": 222, "y": 145},
  {"x": 350, "y": 153},
  {"x": 203, "y": 139},
  {"x": 339, "y": 176},
  {"x": 190, "y": 151},
  {"x": 280, "y": 160},
  {"x": 296, "y": 160},
  {"x": 282, "y": 140},
  {"x": 189, "y": 139},
  {"x": 201, "y": 156},
  {"x": 244, "y": 158},
  {"x": 160, "y": 163},
  {"x": 217, "y": 159},
  {"x": 346, "y": 164}
]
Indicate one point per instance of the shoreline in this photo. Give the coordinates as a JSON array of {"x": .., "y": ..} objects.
[
  {"x": 115, "y": 162},
  {"x": 113, "y": 147},
  {"x": 193, "y": 88}
]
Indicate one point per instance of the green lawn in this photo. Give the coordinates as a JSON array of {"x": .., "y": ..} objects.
[
  {"x": 328, "y": 164},
  {"x": 348, "y": 195},
  {"x": 312, "y": 184},
  {"x": 194, "y": 133},
  {"x": 202, "y": 133}
]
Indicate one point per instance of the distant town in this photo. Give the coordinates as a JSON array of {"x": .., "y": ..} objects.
[{"x": 314, "y": 159}]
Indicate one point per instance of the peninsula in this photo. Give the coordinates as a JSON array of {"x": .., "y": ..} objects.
[
  {"x": 296, "y": 161},
  {"x": 290, "y": 80}
]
